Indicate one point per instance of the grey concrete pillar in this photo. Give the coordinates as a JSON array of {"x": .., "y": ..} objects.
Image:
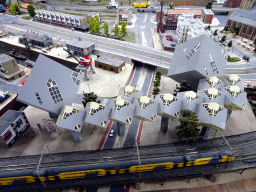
[
  {"x": 77, "y": 136},
  {"x": 53, "y": 115},
  {"x": 204, "y": 133},
  {"x": 213, "y": 178},
  {"x": 229, "y": 114},
  {"x": 137, "y": 186},
  {"x": 120, "y": 129},
  {"x": 164, "y": 124}
]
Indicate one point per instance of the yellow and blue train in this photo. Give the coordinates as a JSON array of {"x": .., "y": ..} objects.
[{"x": 114, "y": 168}]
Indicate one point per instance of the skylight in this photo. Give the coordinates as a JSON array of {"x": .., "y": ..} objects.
[
  {"x": 129, "y": 90},
  {"x": 212, "y": 93},
  {"x": 213, "y": 81},
  {"x": 212, "y": 108},
  {"x": 193, "y": 50},
  {"x": 233, "y": 79},
  {"x": 95, "y": 108},
  {"x": 145, "y": 101},
  {"x": 190, "y": 96},
  {"x": 54, "y": 91},
  {"x": 234, "y": 91},
  {"x": 168, "y": 98},
  {"x": 68, "y": 111},
  {"x": 120, "y": 103}
]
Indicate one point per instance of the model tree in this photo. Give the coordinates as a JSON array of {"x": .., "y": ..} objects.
[
  {"x": 209, "y": 5},
  {"x": 89, "y": 97},
  {"x": 223, "y": 39},
  {"x": 96, "y": 24},
  {"x": 237, "y": 30},
  {"x": 31, "y": 10},
  {"x": 215, "y": 32},
  {"x": 158, "y": 75},
  {"x": 171, "y": 5},
  {"x": 17, "y": 8},
  {"x": 230, "y": 44},
  {"x": 13, "y": 9},
  {"x": 116, "y": 30},
  {"x": 254, "y": 50},
  {"x": 187, "y": 130},
  {"x": 208, "y": 27},
  {"x": 156, "y": 83},
  {"x": 254, "y": 42},
  {"x": 105, "y": 27},
  {"x": 123, "y": 29},
  {"x": 91, "y": 24},
  {"x": 156, "y": 91},
  {"x": 225, "y": 28}
]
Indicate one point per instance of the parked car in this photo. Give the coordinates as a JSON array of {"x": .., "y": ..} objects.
[
  {"x": 112, "y": 30},
  {"x": 112, "y": 132},
  {"x": 2, "y": 10}
]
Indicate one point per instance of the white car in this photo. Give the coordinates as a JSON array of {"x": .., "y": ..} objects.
[{"x": 112, "y": 132}]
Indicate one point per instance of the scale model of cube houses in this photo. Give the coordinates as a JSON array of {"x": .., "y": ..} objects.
[
  {"x": 146, "y": 108},
  {"x": 97, "y": 114},
  {"x": 169, "y": 105},
  {"x": 71, "y": 118},
  {"x": 189, "y": 99},
  {"x": 196, "y": 59},
  {"x": 50, "y": 86},
  {"x": 233, "y": 90},
  {"x": 212, "y": 95},
  {"x": 122, "y": 111},
  {"x": 235, "y": 98},
  {"x": 129, "y": 93},
  {"x": 212, "y": 114},
  {"x": 210, "y": 82}
]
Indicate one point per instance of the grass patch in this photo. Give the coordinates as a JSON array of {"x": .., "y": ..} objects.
[
  {"x": 26, "y": 17},
  {"x": 233, "y": 59},
  {"x": 73, "y": 13},
  {"x": 163, "y": 71},
  {"x": 130, "y": 37},
  {"x": 38, "y": 6},
  {"x": 227, "y": 32},
  {"x": 89, "y": 10}
]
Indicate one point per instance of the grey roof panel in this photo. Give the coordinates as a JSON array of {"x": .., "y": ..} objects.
[
  {"x": 195, "y": 55},
  {"x": 71, "y": 121},
  {"x": 219, "y": 120},
  {"x": 4, "y": 58},
  {"x": 244, "y": 16},
  {"x": 110, "y": 60},
  {"x": 10, "y": 115},
  {"x": 50, "y": 86}
]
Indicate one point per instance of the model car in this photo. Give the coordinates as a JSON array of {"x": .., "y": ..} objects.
[{"x": 112, "y": 132}]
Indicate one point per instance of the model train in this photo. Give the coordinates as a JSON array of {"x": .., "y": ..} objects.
[{"x": 114, "y": 168}]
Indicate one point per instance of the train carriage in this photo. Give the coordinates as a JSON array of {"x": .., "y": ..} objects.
[{"x": 114, "y": 168}]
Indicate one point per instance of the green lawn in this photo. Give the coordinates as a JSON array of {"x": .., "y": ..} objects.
[
  {"x": 26, "y": 17},
  {"x": 162, "y": 70},
  {"x": 234, "y": 59},
  {"x": 130, "y": 37}
]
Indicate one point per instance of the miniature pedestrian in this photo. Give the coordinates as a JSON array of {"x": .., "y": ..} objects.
[{"x": 39, "y": 126}]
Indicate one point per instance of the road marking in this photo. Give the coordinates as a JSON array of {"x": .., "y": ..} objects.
[{"x": 145, "y": 19}]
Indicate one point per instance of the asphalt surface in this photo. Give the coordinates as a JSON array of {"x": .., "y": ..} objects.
[{"x": 143, "y": 27}]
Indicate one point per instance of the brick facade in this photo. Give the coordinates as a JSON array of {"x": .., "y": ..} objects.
[
  {"x": 233, "y": 3},
  {"x": 170, "y": 18}
]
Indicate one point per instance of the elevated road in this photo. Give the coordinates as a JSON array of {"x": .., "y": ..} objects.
[{"x": 147, "y": 55}]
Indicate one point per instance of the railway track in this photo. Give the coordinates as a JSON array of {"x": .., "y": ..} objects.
[{"x": 93, "y": 157}]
